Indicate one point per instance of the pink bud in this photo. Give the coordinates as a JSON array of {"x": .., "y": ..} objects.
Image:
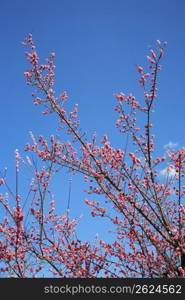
[
  {"x": 120, "y": 97},
  {"x": 140, "y": 69},
  {"x": 153, "y": 54},
  {"x": 2, "y": 181}
]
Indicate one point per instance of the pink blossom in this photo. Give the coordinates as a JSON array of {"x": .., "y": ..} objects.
[
  {"x": 140, "y": 69},
  {"x": 28, "y": 75},
  {"x": 153, "y": 54},
  {"x": 145, "y": 212},
  {"x": 2, "y": 181},
  {"x": 120, "y": 97},
  {"x": 64, "y": 96}
]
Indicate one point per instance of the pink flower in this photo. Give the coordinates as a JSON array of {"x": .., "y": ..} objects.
[
  {"x": 120, "y": 97},
  {"x": 153, "y": 54},
  {"x": 142, "y": 80},
  {"x": 151, "y": 60},
  {"x": 2, "y": 181},
  {"x": 140, "y": 69},
  {"x": 28, "y": 75},
  {"x": 52, "y": 54},
  {"x": 64, "y": 96}
]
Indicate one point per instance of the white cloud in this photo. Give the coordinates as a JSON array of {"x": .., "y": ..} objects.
[
  {"x": 168, "y": 172},
  {"x": 170, "y": 146}
]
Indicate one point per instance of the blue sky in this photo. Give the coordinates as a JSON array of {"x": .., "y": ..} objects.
[{"x": 97, "y": 45}]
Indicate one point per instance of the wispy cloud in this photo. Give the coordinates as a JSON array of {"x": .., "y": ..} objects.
[
  {"x": 168, "y": 172},
  {"x": 170, "y": 146}
]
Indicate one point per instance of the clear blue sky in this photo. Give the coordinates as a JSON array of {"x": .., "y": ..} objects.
[{"x": 97, "y": 43}]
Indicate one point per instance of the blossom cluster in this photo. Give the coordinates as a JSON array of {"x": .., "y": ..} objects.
[{"x": 146, "y": 212}]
